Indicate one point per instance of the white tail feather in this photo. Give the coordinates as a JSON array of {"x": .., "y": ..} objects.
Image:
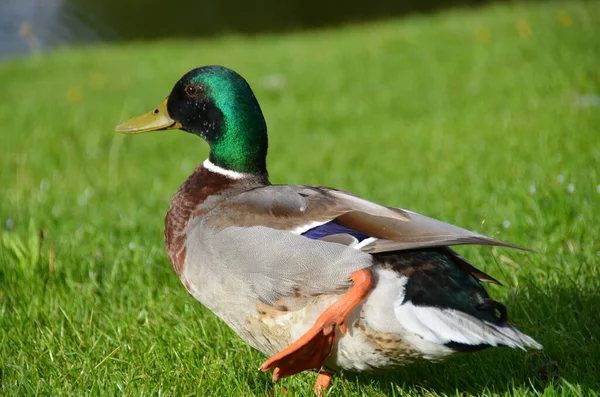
[{"x": 441, "y": 326}]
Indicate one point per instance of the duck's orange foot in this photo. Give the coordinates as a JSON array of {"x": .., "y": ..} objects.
[
  {"x": 310, "y": 354},
  {"x": 311, "y": 350},
  {"x": 322, "y": 383}
]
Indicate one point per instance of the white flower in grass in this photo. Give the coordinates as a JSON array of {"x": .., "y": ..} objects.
[
  {"x": 131, "y": 245},
  {"x": 506, "y": 224},
  {"x": 589, "y": 101},
  {"x": 56, "y": 210},
  {"x": 560, "y": 178},
  {"x": 532, "y": 189},
  {"x": 10, "y": 223},
  {"x": 44, "y": 185},
  {"x": 274, "y": 82},
  {"x": 87, "y": 194},
  {"x": 571, "y": 188}
]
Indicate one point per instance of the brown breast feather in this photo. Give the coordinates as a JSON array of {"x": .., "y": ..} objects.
[{"x": 190, "y": 202}]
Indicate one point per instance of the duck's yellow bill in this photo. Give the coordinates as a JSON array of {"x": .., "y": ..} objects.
[{"x": 157, "y": 119}]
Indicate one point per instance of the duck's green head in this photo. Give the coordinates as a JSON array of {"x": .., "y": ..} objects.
[{"x": 216, "y": 103}]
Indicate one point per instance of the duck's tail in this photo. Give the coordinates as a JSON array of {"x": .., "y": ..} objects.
[
  {"x": 434, "y": 327},
  {"x": 443, "y": 308}
]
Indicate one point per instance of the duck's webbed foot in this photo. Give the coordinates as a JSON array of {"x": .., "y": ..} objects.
[{"x": 312, "y": 348}]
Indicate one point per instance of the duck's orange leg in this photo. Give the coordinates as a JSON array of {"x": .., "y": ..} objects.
[
  {"x": 322, "y": 383},
  {"x": 311, "y": 350}
]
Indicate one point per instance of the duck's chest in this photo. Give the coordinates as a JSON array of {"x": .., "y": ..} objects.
[{"x": 198, "y": 195}]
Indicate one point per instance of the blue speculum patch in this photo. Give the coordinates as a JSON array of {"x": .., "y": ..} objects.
[{"x": 331, "y": 228}]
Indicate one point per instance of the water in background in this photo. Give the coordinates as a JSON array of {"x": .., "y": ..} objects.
[{"x": 33, "y": 25}]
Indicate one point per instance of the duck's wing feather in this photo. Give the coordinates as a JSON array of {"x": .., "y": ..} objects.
[
  {"x": 273, "y": 266},
  {"x": 300, "y": 209}
]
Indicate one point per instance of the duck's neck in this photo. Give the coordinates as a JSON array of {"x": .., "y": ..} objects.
[
  {"x": 242, "y": 143},
  {"x": 239, "y": 164},
  {"x": 227, "y": 174}
]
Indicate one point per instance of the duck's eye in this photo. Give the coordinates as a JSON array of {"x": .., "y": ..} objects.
[{"x": 190, "y": 90}]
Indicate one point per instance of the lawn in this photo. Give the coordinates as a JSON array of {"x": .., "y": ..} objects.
[{"x": 487, "y": 118}]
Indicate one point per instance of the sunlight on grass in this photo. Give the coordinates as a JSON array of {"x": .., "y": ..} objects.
[{"x": 485, "y": 118}]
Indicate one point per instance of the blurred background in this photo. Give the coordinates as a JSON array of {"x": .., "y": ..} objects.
[
  {"x": 484, "y": 114},
  {"x": 41, "y": 24}
]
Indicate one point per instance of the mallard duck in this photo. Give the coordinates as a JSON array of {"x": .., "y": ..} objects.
[{"x": 315, "y": 278}]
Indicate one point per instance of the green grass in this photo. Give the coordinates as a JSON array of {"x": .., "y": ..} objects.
[{"x": 484, "y": 118}]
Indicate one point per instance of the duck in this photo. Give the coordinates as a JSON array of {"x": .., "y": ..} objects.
[{"x": 316, "y": 278}]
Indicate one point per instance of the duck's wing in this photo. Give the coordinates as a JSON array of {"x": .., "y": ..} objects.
[
  {"x": 280, "y": 237},
  {"x": 274, "y": 267},
  {"x": 335, "y": 215}
]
